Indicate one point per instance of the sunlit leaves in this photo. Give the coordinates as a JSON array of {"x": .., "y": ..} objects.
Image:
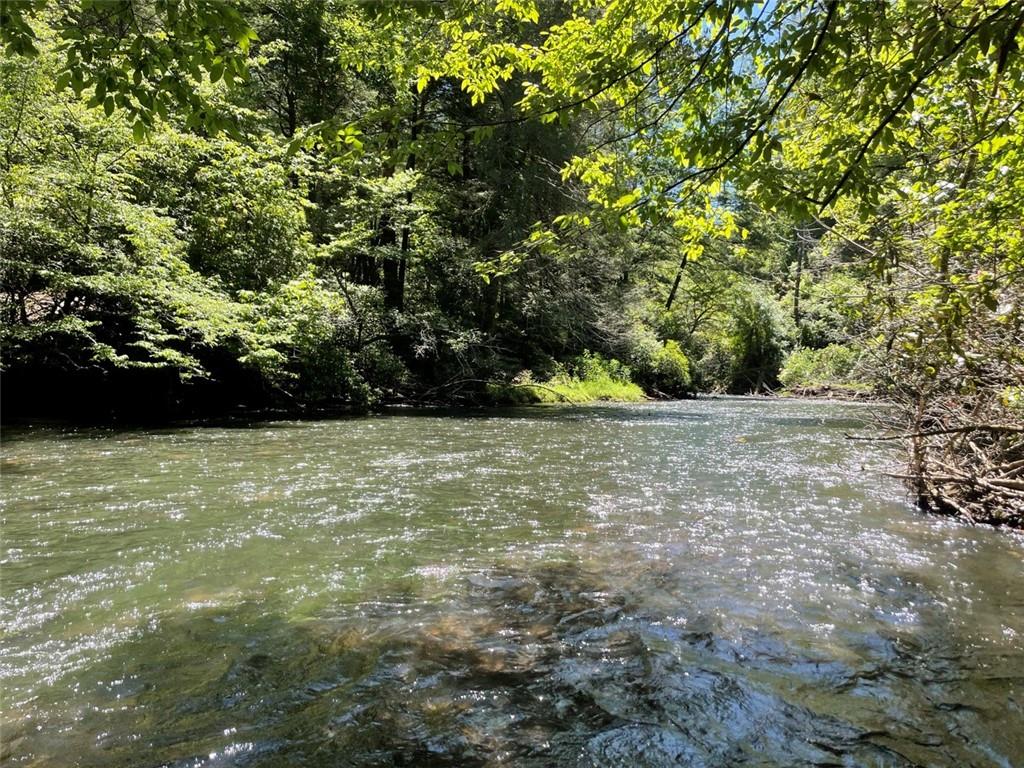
[
  {"x": 16, "y": 33},
  {"x": 145, "y": 59},
  {"x": 724, "y": 90}
]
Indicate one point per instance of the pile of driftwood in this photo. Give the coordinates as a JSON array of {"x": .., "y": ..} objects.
[
  {"x": 966, "y": 458},
  {"x": 974, "y": 470}
]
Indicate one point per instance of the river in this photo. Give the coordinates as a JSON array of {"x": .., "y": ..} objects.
[{"x": 707, "y": 583}]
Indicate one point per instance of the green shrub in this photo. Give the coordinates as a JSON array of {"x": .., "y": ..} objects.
[
  {"x": 322, "y": 354},
  {"x": 832, "y": 365},
  {"x": 662, "y": 368},
  {"x": 760, "y": 333},
  {"x": 592, "y": 367},
  {"x": 828, "y": 313},
  {"x": 714, "y": 364},
  {"x": 672, "y": 370},
  {"x": 1012, "y": 398},
  {"x": 240, "y": 215}
]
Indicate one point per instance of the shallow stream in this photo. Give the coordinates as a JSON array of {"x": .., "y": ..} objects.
[{"x": 710, "y": 583}]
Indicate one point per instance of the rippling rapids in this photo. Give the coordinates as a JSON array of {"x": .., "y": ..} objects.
[{"x": 712, "y": 583}]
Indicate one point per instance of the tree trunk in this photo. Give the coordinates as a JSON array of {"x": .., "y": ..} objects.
[
  {"x": 675, "y": 284},
  {"x": 798, "y": 282},
  {"x": 395, "y": 270}
]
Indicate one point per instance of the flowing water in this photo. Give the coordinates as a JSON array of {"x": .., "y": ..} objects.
[{"x": 711, "y": 583}]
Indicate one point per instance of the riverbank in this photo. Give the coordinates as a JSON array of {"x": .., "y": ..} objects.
[{"x": 154, "y": 396}]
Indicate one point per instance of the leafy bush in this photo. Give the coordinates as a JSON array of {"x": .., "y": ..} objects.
[
  {"x": 1012, "y": 398},
  {"x": 714, "y": 363},
  {"x": 128, "y": 301},
  {"x": 662, "y": 368},
  {"x": 321, "y": 336},
  {"x": 831, "y": 365},
  {"x": 238, "y": 213},
  {"x": 828, "y": 309},
  {"x": 672, "y": 369},
  {"x": 592, "y": 367},
  {"x": 759, "y": 335}
]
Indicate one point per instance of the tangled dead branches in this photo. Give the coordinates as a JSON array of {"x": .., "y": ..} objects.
[
  {"x": 975, "y": 471},
  {"x": 965, "y": 451}
]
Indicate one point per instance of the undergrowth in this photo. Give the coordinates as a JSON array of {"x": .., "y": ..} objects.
[{"x": 589, "y": 378}]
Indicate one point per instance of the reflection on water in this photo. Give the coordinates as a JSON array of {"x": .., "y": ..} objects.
[{"x": 711, "y": 583}]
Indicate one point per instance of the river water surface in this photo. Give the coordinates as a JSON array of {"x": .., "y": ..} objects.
[{"x": 711, "y": 583}]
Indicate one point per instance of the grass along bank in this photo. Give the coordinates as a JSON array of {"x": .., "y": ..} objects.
[{"x": 587, "y": 379}]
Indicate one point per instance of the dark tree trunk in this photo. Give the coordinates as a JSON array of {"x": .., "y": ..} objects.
[
  {"x": 489, "y": 304},
  {"x": 675, "y": 284},
  {"x": 798, "y": 281},
  {"x": 394, "y": 280}
]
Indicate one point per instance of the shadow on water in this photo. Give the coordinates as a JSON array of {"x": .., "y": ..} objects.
[
  {"x": 681, "y": 412},
  {"x": 559, "y": 412},
  {"x": 548, "y": 665},
  {"x": 257, "y": 421}
]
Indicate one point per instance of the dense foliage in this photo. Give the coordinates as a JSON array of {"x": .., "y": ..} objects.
[{"x": 309, "y": 203}]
